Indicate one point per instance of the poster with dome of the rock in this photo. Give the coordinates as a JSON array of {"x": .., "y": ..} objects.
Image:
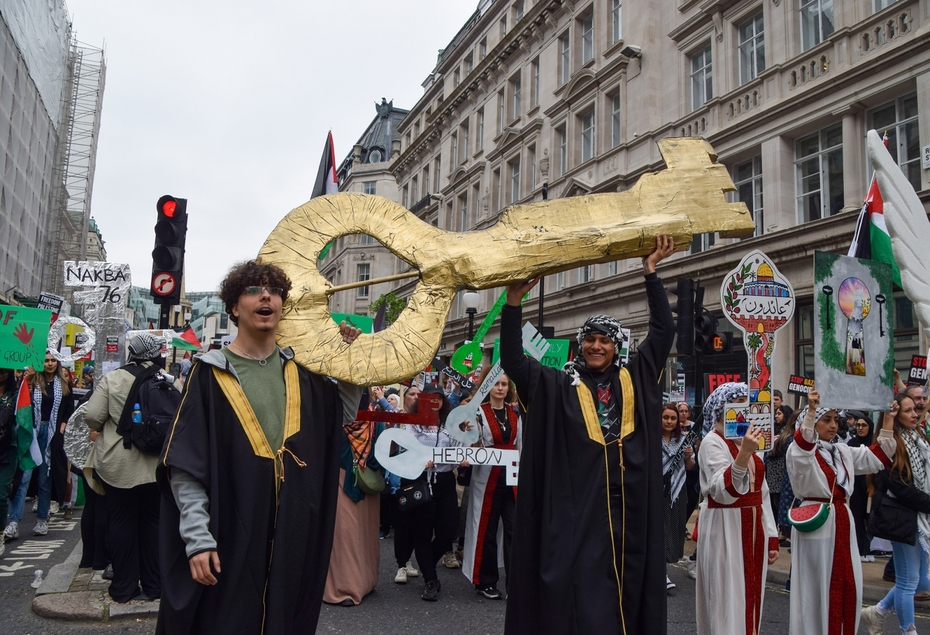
[
  {"x": 853, "y": 334},
  {"x": 759, "y": 301}
]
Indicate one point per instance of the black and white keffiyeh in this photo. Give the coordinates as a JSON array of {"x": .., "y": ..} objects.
[
  {"x": 606, "y": 326},
  {"x": 918, "y": 454},
  {"x": 53, "y": 417},
  {"x": 722, "y": 395},
  {"x": 670, "y": 451}
]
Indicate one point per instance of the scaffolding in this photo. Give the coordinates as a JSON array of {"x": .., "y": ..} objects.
[{"x": 75, "y": 163}]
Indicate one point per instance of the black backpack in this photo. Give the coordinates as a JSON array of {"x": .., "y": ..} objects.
[{"x": 158, "y": 400}]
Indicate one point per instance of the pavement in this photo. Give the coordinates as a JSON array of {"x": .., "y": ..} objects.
[{"x": 72, "y": 593}]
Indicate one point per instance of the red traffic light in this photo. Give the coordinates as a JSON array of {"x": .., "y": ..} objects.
[{"x": 168, "y": 208}]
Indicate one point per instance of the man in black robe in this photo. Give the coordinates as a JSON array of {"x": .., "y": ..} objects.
[
  {"x": 588, "y": 543},
  {"x": 249, "y": 477}
]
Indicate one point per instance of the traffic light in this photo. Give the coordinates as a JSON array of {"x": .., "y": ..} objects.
[
  {"x": 684, "y": 310},
  {"x": 705, "y": 328},
  {"x": 168, "y": 255},
  {"x": 722, "y": 342}
]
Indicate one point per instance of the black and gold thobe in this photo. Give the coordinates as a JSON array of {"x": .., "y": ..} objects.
[
  {"x": 588, "y": 551},
  {"x": 272, "y": 510}
]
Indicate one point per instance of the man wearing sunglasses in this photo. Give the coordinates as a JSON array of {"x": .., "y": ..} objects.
[{"x": 249, "y": 476}]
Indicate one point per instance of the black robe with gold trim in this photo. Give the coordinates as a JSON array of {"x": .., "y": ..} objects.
[
  {"x": 272, "y": 513},
  {"x": 588, "y": 552}
]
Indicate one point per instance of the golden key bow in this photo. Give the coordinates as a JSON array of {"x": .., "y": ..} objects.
[{"x": 527, "y": 241}]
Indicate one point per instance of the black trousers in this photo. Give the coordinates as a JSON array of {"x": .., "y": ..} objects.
[
  {"x": 133, "y": 540},
  {"x": 431, "y": 527},
  {"x": 502, "y": 507},
  {"x": 94, "y": 523}
]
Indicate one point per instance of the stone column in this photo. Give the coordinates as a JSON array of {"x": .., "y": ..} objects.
[
  {"x": 854, "y": 181},
  {"x": 778, "y": 184}
]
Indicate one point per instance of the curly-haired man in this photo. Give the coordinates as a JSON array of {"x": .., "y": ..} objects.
[{"x": 249, "y": 476}]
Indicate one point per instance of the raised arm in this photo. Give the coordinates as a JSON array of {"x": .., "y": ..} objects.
[{"x": 654, "y": 350}]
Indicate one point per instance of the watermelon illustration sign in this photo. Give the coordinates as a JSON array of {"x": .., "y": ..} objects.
[
  {"x": 853, "y": 339},
  {"x": 759, "y": 301}
]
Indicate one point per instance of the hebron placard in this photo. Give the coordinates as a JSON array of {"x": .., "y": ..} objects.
[
  {"x": 853, "y": 338},
  {"x": 759, "y": 301}
]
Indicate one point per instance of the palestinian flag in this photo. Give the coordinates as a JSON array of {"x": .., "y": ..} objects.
[
  {"x": 871, "y": 240},
  {"x": 326, "y": 182},
  {"x": 27, "y": 443},
  {"x": 186, "y": 340}
]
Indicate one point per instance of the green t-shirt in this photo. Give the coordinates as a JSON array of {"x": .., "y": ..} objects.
[{"x": 264, "y": 388}]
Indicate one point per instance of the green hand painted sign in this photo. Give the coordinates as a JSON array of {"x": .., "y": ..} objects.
[
  {"x": 23, "y": 336},
  {"x": 358, "y": 321}
]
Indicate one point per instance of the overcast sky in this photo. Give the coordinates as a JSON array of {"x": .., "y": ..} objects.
[{"x": 228, "y": 104}]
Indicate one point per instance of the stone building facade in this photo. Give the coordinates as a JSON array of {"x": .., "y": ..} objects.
[{"x": 572, "y": 95}]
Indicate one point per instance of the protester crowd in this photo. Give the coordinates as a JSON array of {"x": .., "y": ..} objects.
[{"x": 836, "y": 487}]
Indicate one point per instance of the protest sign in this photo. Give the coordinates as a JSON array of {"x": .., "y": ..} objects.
[
  {"x": 918, "y": 374},
  {"x": 798, "y": 385},
  {"x": 23, "y": 336}
]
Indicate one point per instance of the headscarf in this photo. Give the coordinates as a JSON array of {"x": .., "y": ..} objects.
[
  {"x": 827, "y": 449},
  {"x": 856, "y": 440},
  {"x": 722, "y": 395},
  {"x": 143, "y": 347},
  {"x": 606, "y": 326}
]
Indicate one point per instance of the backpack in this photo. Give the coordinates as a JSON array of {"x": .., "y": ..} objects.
[
  {"x": 7, "y": 427},
  {"x": 158, "y": 400}
]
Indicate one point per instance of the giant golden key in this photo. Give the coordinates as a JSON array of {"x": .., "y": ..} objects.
[{"x": 527, "y": 241}]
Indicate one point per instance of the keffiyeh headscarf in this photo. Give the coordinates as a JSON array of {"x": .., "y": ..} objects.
[
  {"x": 827, "y": 449},
  {"x": 724, "y": 394},
  {"x": 143, "y": 347},
  {"x": 606, "y": 326}
]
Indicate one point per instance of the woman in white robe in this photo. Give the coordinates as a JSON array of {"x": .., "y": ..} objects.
[
  {"x": 826, "y": 576},
  {"x": 489, "y": 525},
  {"x": 737, "y": 536}
]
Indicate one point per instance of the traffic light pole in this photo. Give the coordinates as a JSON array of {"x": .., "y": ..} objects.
[{"x": 164, "y": 316}]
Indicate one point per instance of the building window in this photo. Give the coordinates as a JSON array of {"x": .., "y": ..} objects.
[
  {"x": 702, "y": 242},
  {"x": 535, "y": 71},
  {"x": 514, "y": 167},
  {"x": 587, "y": 38},
  {"x": 425, "y": 179},
  {"x": 503, "y": 27},
  {"x": 878, "y": 5},
  {"x": 468, "y": 64},
  {"x": 370, "y": 187},
  {"x": 702, "y": 88},
  {"x": 463, "y": 213},
  {"x": 436, "y": 174},
  {"x": 483, "y": 48},
  {"x": 454, "y": 150},
  {"x": 565, "y": 57},
  {"x": 456, "y": 77},
  {"x": 816, "y": 22},
  {"x": 804, "y": 340},
  {"x": 899, "y": 120},
  {"x": 587, "y": 136},
  {"x": 612, "y": 268},
  {"x": 747, "y": 177},
  {"x": 405, "y": 197},
  {"x": 363, "y": 273},
  {"x": 615, "y": 121},
  {"x": 501, "y": 110},
  {"x": 560, "y": 281},
  {"x": 365, "y": 239},
  {"x": 414, "y": 190},
  {"x": 586, "y": 273},
  {"x": 531, "y": 166},
  {"x": 518, "y": 11},
  {"x": 562, "y": 139},
  {"x": 751, "y": 48},
  {"x": 819, "y": 165},
  {"x": 515, "y": 91},
  {"x": 479, "y": 140},
  {"x": 496, "y": 189},
  {"x": 616, "y": 26},
  {"x": 463, "y": 131}
]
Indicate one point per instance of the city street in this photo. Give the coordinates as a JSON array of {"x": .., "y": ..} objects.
[{"x": 393, "y": 609}]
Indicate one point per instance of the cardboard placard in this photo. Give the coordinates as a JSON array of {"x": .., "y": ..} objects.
[
  {"x": 853, "y": 338},
  {"x": 23, "y": 336},
  {"x": 713, "y": 380},
  {"x": 918, "y": 374},
  {"x": 798, "y": 385}
]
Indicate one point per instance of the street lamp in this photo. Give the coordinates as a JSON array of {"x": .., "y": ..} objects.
[{"x": 471, "y": 299}]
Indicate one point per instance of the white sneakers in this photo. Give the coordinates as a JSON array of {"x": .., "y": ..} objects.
[
  {"x": 669, "y": 585},
  {"x": 869, "y": 558},
  {"x": 406, "y": 572},
  {"x": 12, "y": 531},
  {"x": 450, "y": 561},
  {"x": 41, "y": 528},
  {"x": 873, "y": 620}
]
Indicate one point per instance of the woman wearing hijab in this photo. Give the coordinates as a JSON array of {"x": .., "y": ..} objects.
[
  {"x": 737, "y": 537},
  {"x": 826, "y": 579},
  {"x": 901, "y": 514},
  {"x": 863, "y": 432}
]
